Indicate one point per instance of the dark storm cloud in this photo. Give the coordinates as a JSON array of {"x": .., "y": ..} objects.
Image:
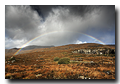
[
  {"x": 26, "y": 22},
  {"x": 43, "y": 10},
  {"x": 81, "y": 10},
  {"x": 95, "y": 16},
  {"x": 20, "y": 22},
  {"x": 108, "y": 12}
]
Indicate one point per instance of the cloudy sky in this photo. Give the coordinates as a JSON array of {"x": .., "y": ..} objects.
[{"x": 58, "y": 25}]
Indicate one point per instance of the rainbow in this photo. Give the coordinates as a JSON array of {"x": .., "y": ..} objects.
[
  {"x": 94, "y": 38},
  {"x": 52, "y": 33}
]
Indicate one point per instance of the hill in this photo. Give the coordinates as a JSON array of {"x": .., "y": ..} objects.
[
  {"x": 81, "y": 46},
  {"x": 40, "y": 63},
  {"x": 10, "y": 51},
  {"x": 70, "y": 47}
]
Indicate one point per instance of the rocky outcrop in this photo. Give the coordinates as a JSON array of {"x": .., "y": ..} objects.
[
  {"x": 12, "y": 58},
  {"x": 95, "y": 51}
]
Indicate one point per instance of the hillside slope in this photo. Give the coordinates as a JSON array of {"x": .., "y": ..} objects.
[{"x": 40, "y": 64}]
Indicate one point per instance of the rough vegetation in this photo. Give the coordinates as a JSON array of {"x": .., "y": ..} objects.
[
  {"x": 40, "y": 64},
  {"x": 64, "y": 61},
  {"x": 56, "y": 58}
]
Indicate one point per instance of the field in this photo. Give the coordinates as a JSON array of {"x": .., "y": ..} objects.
[{"x": 40, "y": 63}]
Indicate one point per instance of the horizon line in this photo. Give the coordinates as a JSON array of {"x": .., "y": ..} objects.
[{"x": 62, "y": 45}]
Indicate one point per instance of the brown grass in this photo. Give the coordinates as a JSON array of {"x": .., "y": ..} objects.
[{"x": 37, "y": 64}]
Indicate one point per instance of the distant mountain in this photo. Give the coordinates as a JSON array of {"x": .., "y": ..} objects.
[
  {"x": 15, "y": 48},
  {"x": 35, "y": 47},
  {"x": 11, "y": 50}
]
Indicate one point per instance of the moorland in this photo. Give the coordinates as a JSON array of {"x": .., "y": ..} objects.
[{"x": 60, "y": 63}]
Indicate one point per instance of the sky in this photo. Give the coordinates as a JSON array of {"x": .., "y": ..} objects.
[{"x": 57, "y": 25}]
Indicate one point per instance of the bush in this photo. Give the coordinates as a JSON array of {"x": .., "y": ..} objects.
[
  {"x": 64, "y": 61},
  {"x": 56, "y": 58}
]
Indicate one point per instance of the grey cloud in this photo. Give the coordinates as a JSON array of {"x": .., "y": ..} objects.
[
  {"x": 26, "y": 22},
  {"x": 10, "y": 43},
  {"x": 95, "y": 16},
  {"x": 21, "y": 21},
  {"x": 43, "y": 10}
]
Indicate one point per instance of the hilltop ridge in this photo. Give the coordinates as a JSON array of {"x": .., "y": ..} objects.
[{"x": 70, "y": 47}]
